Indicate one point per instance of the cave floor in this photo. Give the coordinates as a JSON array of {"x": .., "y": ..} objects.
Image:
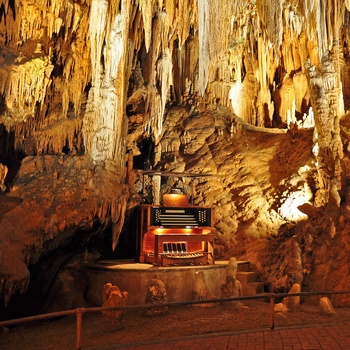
[{"x": 179, "y": 321}]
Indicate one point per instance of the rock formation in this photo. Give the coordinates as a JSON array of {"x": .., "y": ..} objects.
[
  {"x": 112, "y": 296},
  {"x": 257, "y": 92},
  {"x": 292, "y": 303},
  {"x": 232, "y": 288},
  {"x": 326, "y": 307},
  {"x": 3, "y": 173},
  {"x": 156, "y": 294}
]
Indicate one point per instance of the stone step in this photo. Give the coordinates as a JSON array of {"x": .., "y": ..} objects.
[
  {"x": 243, "y": 266},
  {"x": 246, "y": 277},
  {"x": 252, "y": 288}
]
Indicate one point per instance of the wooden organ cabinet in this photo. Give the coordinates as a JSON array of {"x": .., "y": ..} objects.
[{"x": 175, "y": 233}]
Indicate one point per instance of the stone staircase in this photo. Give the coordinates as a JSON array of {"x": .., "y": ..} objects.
[{"x": 249, "y": 279}]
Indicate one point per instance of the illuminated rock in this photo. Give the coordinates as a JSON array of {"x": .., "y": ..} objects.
[
  {"x": 326, "y": 307},
  {"x": 112, "y": 296},
  {"x": 232, "y": 288},
  {"x": 3, "y": 173},
  {"x": 292, "y": 302}
]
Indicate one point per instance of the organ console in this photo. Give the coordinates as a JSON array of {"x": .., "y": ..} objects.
[{"x": 175, "y": 232}]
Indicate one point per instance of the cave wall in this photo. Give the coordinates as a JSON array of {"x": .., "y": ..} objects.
[{"x": 83, "y": 84}]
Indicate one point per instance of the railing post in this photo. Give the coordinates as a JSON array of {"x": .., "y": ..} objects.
[
  {"x": 272, "y": 311},
  {"x": 79, "y": 313}
]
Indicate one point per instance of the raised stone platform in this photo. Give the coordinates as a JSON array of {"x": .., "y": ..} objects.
[{"x": 135, "y": 278}]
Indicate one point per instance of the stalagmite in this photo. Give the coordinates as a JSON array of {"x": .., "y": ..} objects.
[
  {"x": 157, "y": 295},
  {"x": 326, "y": 307},
  {"x": 292, "y": 302},
  {"x": 232, "y": 288},
  {"x": 112, "y": 296}
]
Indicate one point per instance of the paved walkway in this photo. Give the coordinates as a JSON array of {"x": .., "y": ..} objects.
[{"x": 327, "y": 337}]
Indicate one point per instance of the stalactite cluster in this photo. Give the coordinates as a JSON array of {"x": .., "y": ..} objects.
[{"x": 58, "y": 52}]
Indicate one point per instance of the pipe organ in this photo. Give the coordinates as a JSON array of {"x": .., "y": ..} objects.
[{"x": 175, "y": 233}]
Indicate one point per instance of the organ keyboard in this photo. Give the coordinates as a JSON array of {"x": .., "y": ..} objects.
[{"x": 176, "y": 236}]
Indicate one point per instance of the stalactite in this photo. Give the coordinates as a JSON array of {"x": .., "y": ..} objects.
[
  {"x": 115, "y": 210},
  {"x": 212, "y": 43},
  {"x": 165, "y": 68},
  {"x": 26, "y": 84},
  {"x": 186, "y": 13},
  {"x": 323, "y": 26},
  {"x": 30, "y": 78},
  {"x": 104, "y": 124},
  {"x": 49, "y": 140},
  {"x": 203, "y": 34},
  {"x": 8, "y": 284},
  {"x": 156, "y": 120},
  {"x": 219, "y": 93},
  {"x": 146, "y": 8},
  {"x": 270, "y": 13},
  {"x": 97, "y": 28},
  {"x": 321, "y": 29},
  {"x": 118, "y": 222},
  {"x": 5, "y": 5}
]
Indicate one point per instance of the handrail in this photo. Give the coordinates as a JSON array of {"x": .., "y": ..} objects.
[{"x": 80, "y": 311}]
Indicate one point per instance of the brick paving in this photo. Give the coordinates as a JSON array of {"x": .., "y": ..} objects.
[{"x": 329, "y": 337}]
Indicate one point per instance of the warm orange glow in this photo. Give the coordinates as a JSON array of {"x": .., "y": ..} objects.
[
  {"x": 159, "y": 230},
  {"x": 165, "y": 230},
  {"x": 162, "y": 230},
  {"x": 175, "y": 200}
]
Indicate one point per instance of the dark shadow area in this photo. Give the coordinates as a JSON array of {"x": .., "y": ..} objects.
[
  {"x": 267, "y": 121},
  {"x": 146, "y": 158},
  {"x": 3, "y": 13},
  {"x": 76, "y": 247},
  {"x": 8, "y": 155},
  {"x": 127, "y": 242},
  {"x": 44, "y": 273}
]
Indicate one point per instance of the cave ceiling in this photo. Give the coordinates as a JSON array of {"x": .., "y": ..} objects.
[{"x": 255, "y": 92}]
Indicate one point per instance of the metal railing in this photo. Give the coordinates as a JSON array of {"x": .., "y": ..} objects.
[{"x": 80, "y": 311}]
